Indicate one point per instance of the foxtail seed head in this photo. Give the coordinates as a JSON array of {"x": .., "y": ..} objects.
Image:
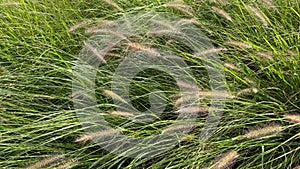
[
  {"x": 113, "y": 4},
  {"x": 263, "y": 132},
  {"x": 121, "y": 114},
  {"x": 232, "y": 67},
  {"x": 226, "y": 160},
  {"x": 294, "y": 118},
  {"x": 113, "y": 95},
  {"x": 239, "y": 44},
  {"x": 78, "y": 26},
  {"x": 258, "y": 14},
  {"x": 179, "y": 5},
  {"x": 102, "y": 134},
  {"x": 222, "y": 13},
  {"x": 47, "y": 162}
]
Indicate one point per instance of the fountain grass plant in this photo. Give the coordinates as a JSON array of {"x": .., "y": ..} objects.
[{"x": 258, "y": 41}]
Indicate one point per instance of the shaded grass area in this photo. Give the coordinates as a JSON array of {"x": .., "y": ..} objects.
[{"x": 38, "y": 52}]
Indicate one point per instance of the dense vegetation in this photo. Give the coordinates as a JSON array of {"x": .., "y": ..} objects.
[{"x": 257, "y": 41}]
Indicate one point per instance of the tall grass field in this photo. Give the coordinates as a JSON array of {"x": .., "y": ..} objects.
[{"x": 258, "y": 46}]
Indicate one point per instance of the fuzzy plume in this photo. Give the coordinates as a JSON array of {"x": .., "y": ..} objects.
[
  {"x": 177, "y": 128},
  {"x": 187, "y": 98},
  {"x": 187, "y": 85},
  {"x": 294, "y": 118},
  {"x": 222, "y": 13},
  {"x": 78, "y": 26},
  {"x": 143, "y": 47},
  {"x": 121, "y": 114},
  {"x": 47, "y": 162},
  {"x": 193, "y": 109},
  {"x": 209, "y": 52},
  {"x": 232, "y": 67},
  {"x": 263, "y": 132},
  {"x": 239, "y": 44},
  {"x": 226, "y": 160},
  {"x": 102, "y": 134},
  {"x": 258, "y": 14},
  {"x": 113, "y": 4},
  {"x": 11, "y": 4},
  {"x": 247, "y": 91},
  {"x": 68, "y": 164},
  {"x": 113, "y": 95},
  {"x": 268, "y": 3},
  {"x": 91, "y": 48},
  {"x": 101, "y": 24},
  {"x": 264, "y": 55},
  {"x": 180, "y": 6}
]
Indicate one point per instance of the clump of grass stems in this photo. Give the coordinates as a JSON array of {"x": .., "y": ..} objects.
[{"x": 257, "y": 42}]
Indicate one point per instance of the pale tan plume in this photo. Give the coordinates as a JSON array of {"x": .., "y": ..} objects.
[
  {"x": 121, "y": 114},
  {"x": 212, "y": 51},
  {"x": 264, "y": 55},
  {"x": 113, "y": 4},
  {"x": 232, "y": 67},
  {"x": 94, "y": 51},
  {"x": 47, "y": 162},
  {"x": 263, "y": 132},
  {"x": 101, "y": 24},
  {"x": 143, "y": 47},
  {"x": 177, "y": 128},
  {"x": 247, "y": 91},
  {"x": 193, "y": 109},
  {"x": 294, "y": 118},
  {"x": 258, "y": 14},
  {"x": 226, "y": 160},
  {"x": 222, "y": 13},
  {"x": 95, "y": 135},
  {"x": 180, "y": 6},
  {"x": 239, "y": 44},
  {"x": 11, "y": 4},
  {"x": 78, "y": 25},
  {"x": 113, "y": 95}
]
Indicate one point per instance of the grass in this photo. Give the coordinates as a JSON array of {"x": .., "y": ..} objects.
[{"x": 39, "y": 125}]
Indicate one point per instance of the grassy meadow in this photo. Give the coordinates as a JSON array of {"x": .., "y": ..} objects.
[{"x": 258, "y": 43}]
